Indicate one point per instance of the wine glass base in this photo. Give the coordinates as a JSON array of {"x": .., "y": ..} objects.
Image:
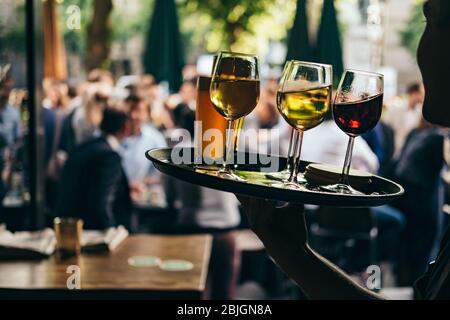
[
  {"x": 283, "y": 176},
  {"x": 206, "y": 167},
  {"x": 279, "y": 176},
  {"x": 342, "y": 189},
  {"x": 293, "y": 185},
  {"x": 229, "y": 175}
]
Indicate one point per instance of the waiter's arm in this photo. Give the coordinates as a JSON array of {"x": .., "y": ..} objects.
[{"x": 284, "y": 234}]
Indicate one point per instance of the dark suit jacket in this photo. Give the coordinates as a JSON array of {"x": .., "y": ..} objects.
[{"x": 94, "y": 187}]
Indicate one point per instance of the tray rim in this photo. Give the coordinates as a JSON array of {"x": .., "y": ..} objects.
[{"x": 327, "y": 198}]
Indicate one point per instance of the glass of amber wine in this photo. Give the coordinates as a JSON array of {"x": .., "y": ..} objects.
[
  {"x": 234, "y": 93},
  {"x": 303, "y": 99}
]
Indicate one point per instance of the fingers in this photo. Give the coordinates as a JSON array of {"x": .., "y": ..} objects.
[
  {"x": 295, "y": 207},
  {"x": 259, "y": 204}
]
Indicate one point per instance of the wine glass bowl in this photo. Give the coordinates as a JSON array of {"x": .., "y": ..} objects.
[
  {"x": 358, "y": 116},
  {"x": 235, "y": 85},
  {"x": 305, "y": 109}
]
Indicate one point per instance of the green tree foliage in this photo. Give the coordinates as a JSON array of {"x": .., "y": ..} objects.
[
  {"x": 12, "y": 37},
  {"x": 231, "y": 18},
  {"x": 126, "y": 27},
  {"x": 245, "y": 26},
  {"x": 410, "y": 35}
]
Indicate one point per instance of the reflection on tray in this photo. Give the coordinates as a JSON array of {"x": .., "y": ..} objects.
[
  {"x": 376, "y": 190},
  {"x": 361, "y": 180}
]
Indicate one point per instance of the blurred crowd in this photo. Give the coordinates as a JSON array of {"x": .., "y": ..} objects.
[{"x": 97, "y": 132}]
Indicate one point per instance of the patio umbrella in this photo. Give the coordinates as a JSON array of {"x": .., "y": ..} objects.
[
  {"x": 298, "y": 42},
  {"x": 55, "y": 65},
  {"x": 329, "y": 48},
  {"x": 163, "y": 54}
]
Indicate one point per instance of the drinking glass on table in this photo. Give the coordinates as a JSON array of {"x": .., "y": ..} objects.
[
  {"x": 68, "y": 233},
  {"x": 356, "y": 110},
  {"x": 303, "y": 99},
  {"x": 234, "y": 92}
]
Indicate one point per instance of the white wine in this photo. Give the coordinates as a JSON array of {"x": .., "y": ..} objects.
[
  {"x": 305, "y": 109},
  {"x": 234, "y": 98}
]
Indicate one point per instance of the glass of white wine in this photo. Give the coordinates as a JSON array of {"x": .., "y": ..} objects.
[
  {"x": 234, "y": 92},
  {"x": 303, "y": 99}
]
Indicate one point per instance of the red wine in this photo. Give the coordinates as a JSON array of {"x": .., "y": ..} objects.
[{"x": 358, "y": 117}]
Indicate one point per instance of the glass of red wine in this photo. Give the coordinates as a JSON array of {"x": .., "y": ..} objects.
[{"x": 356, "y": 110}]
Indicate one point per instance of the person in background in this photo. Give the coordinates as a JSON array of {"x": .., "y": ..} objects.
[
  {"x": 273, "y": 133},
  {"x": 418, "y": 170},
  {"x": 101, "y": 76},
  {"x": 82, "y": 124},
  {"x": 154, "y": 96},
  {"x": 9, "y": 129},
  {"x": 381, "y": 141},
  {"x": 57, "y": 111},
  {"x": 9, "y": 115},
  {"x": 141, "y": 137},
  {"x": 266, "y": 110},
  {"x": 56, "y": 95},
  {"x": 283, "y": 230},
  {"x": 406, "y": 117},
  {"x": 74, "y": 94},
  {"x": 94, "y": 186},
  {"x": 184, "y": 112}
]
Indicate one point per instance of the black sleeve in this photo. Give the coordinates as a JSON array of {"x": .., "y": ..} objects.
[
  {"x": 105, "y": 181},
  {"x": 67, "y": 140},
  {"x": 436, "y": 151}
]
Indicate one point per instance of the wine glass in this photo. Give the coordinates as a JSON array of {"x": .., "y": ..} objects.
[
  {"x": 303, "y": 99},
  {"x": 234, "y": 93},
  {"x": 356, "y": 110}
]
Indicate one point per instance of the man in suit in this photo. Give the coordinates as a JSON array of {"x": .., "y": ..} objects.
[{"x": 94, "y": 186}]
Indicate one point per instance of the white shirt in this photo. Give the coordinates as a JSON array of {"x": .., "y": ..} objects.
[
  {"x": 328, "y": 144},
  {"x": 218, "y": 210},
  {"x": 137, "y": 167},
  {"x": 10, "y": 124},
  {"x": 82, "y": 129},
  {"x": 273, "y": 141},
  {"x": 402, "y": 120},
  {"x": 113, "y": 143}
]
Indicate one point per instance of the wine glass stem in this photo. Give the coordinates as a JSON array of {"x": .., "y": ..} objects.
[
  {"x": 229, "y": 147},
  {"x": 293, "y": 142},
  {"x": 237, "y": 126},
  {"x": 347, "y": 162},
  {"x": 297, "y": 153}
]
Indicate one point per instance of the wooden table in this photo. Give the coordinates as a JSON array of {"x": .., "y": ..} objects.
[{"x": 110, "y": 276}]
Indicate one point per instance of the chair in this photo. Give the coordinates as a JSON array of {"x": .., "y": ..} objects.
[{"x": 345, "y": 236}]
